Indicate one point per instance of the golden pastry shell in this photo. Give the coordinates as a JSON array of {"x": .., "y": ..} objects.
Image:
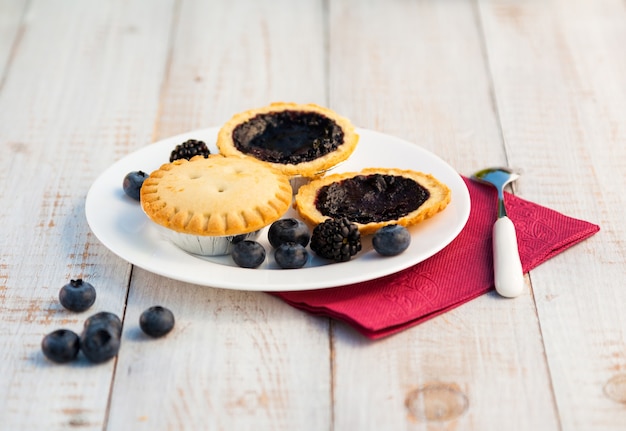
[
  {"x": 215, "y": 196},
  {"x": 440, "y": 196},
  {"x": 306, "y": 169}
]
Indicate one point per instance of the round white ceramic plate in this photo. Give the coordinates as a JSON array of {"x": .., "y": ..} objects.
[{"x": 120, "y": 224}]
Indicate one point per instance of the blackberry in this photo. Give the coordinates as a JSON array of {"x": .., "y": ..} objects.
[
  {"x": 189, "y": 149},
  {"x": 336, "y": 239}
]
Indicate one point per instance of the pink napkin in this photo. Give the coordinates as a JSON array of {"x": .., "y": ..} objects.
[{"x": 460, "y": 272}]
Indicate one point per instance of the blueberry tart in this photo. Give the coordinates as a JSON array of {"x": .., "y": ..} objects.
[
  {"x": 373, "y": 198},
  {"x": 209, "y": 204},
  {"x": 300, "y": 140}
]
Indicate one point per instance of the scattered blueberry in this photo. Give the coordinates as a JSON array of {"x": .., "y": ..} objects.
[
  {"x": 132, "y": 183},
  {"x": 291, "y": 255},
  {"x": 391, "y": 240},
  {"x": 248, "y": 254},
  {"x": 100, "y": 341},
  {"x": 156, "y": 321},
  {"x": 288, "y": 230},
  {"x": 61, "y": 346},
  {"x": 77, "y": 295},
  {"x": 105, "y": 318}
]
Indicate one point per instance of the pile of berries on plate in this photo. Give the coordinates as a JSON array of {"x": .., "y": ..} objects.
[
  {"x": 337, "y": 240},
  {"x": 288, "y": 237}
]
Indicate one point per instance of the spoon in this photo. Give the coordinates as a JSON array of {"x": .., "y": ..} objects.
[{"x": 508, "y": 275}]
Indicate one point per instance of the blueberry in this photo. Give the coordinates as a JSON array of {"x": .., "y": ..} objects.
[
  {"x": 105, "y": 318},
  {"x": 156, "y": 321},
  {"x": 248, "y": 254},
  {"x": 100, "y": 341},
  {"x": 60, "y": 346},
  {"x": 288, "y": 230},
  {"x": 291, "y": 255},
  {"x": 77, "y": 295},
  {"x": 132, "y": 183},
  {"x": 391, "y": 240}
]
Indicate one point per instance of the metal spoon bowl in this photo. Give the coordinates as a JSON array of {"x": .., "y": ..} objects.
[{"x": 508, "y": 274}]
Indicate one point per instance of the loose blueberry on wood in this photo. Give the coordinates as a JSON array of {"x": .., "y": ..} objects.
[
  {"x": 61, "y": 346},
  {"x": 105, "y": 318},
  {"x": 77, "y": 295},
  {"x": 248, "y": 254},
  {"x": 100, "y": 341},
  {"x": 156, "y": 321},
  {"x": 132, "y": 183},
  {"x": 391, "y": 240},
  {"x": 288, "y": 230}
]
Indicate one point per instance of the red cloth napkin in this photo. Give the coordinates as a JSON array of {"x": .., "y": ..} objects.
[{"x": 460, "y": 272}]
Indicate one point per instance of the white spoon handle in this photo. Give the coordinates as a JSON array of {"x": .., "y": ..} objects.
[{"x": 508, "y": 275}]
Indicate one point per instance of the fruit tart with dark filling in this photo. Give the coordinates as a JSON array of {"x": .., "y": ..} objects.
[
  {"x": 373, "y": 198},
  {"x": 302, "y": 140}
]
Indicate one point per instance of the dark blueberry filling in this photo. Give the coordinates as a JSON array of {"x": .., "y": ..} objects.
[
  {"x": 288, "y": 136},
  {"x": 372, "y": 198}
]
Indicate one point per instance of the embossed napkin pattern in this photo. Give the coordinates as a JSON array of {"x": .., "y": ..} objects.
[{"x": 460, "y": 272}]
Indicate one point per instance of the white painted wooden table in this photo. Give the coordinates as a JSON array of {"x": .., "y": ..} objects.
[{"x": 537, "y": 85}]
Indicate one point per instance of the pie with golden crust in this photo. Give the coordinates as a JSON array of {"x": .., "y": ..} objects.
[
  {"x": 215, "y": 196},
  {"x": 298, "y": 139},
  {"x": 373, "y": 198}
]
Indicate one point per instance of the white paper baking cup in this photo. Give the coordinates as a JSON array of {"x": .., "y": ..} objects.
[
  {"x": 206, "y": 245},
  {"x": 297, "y": 181}
]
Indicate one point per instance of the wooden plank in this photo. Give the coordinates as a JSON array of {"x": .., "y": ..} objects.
[
  {"x": 538, "y": 85},
  {"x": 418, "y": 70},
  {"x": 236, "y": 360},
  {"x": 11, "y": 21},
  {"x": 275, "y": 52},
  {"x": 559, "y": 77},
  {"x": 69, "y": 109}
]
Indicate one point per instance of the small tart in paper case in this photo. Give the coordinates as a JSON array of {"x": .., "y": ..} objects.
[
  {"x": 373, "y": 198},
  {"x": 215, "y": 196}
]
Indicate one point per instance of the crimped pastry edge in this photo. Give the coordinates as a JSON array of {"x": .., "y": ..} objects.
[
  {"x": 310, "y": 169},
  {"x": 165, "y": 213},
  {"x": 440, "y": 196}
]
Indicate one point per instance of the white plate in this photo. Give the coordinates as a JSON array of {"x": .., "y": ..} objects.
[{"x": 120, "y": 224}]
